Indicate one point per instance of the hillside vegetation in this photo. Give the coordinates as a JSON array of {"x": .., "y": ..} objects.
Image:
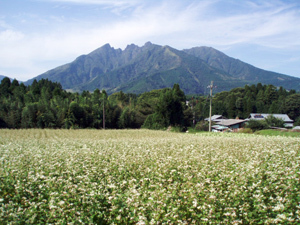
[{"x": 45, "y": 104}]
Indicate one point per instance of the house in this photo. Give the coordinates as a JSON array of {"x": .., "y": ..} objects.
[
  {"x": 215, "y": 118},
  {"x": 261, "y": 116},
  {"x": 219, "y": 128},
  {"x": 232, "y": 124},
  {"x": 222, "y": 124}
]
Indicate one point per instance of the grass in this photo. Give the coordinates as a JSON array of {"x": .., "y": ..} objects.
[
  {"x": 147, "y": 177},
  {"x": 272, "y": 132}
]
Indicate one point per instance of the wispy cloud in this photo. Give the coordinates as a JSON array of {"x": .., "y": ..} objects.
[
  {"x": 267, "y": 25},
  {"x": 121, "y": 4},
  {"x": 10, "y": 35},
  {"x": 100, "y": 2}
]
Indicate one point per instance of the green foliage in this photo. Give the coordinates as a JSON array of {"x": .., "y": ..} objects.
[
  {"x": 268, "y": 122},
  {"x": 297, "y": 122},
  {"x": 127, "y": 118},
  {"x": 240, "y": 102},
  {"x": 155, "y": 122},
  {"x": 284, "y": 133},
  {"x": 45, "y": 104},
  {"x": 292, "y": 106},
  {"x": 256, "y": 125},
  {"x": 177, "y": 129},
  {"x": 202, "y": 126},
  {"x": 272, "y": 121},
  {"x": 245, "y": 131},
  {"x": 169, "y": 110}
]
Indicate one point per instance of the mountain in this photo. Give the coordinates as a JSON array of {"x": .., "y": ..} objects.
[
  {"x": 242, "y": 70},
  {"x": 138, "y": 69}
]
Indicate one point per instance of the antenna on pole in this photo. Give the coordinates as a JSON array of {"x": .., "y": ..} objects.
[{"x": 210, "y": 107}]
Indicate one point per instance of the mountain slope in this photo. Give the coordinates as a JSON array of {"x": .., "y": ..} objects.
[
  {"x": 139, "y": 69},
  {"x": 241, "y": 70}
]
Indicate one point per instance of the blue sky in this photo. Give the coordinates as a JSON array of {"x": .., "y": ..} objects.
[{"x": 39, "y": 35}]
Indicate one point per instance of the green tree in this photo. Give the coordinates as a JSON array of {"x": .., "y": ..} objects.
[
  {"x": 169, "y": 109},
  {"x": 272, "y": 121},
  {"x": 231, "y": 106},
  {"x": 239, "y": 104},
  {"x": 5, "y": 87},
  {"x": 292, "y": 106},
  {"x": 29, "y": 115},
  {"x": 256, "y": 125},
  {"x": 297, "y": 121},
  {"x": 270, "y": 94},
  {"x": 127, "y": 118},
  {"x": 146, "y": 105},
  {"x": 77, "y": 113}
]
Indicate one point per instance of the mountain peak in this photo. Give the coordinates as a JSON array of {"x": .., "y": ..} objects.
[
  {"x": 131, "y": 47},
  {"x": 107, "y": 45},
  {"x": 139, "y": 69},
  {"x": 148, "y": 44}
]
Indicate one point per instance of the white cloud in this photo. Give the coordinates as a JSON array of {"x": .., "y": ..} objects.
[
  {"x": 10, "y": 35},
  {"x": 113, "y": 3},
  {"x": 261, "y": 27},
  {"x": 175, "y": 23}
]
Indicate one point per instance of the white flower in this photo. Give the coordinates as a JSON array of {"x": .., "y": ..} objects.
[
  {"x": 61, "y": 203},
  {"x": 195, "y": 203},
  {"x": 279, "y": 207}
]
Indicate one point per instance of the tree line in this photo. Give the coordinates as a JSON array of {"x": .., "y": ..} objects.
[
  {"x": 240, "y": 102},
  {"x": 44, "y": 104}
]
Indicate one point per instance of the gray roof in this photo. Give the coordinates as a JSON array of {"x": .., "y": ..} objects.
[
  {"x": 262, "y": 116},
  {"x": 215, "y": 118},
  {"x": 230, "y": 122},
  {"x": 296, "y": 128},
  {"x": 219, "y": 127}
]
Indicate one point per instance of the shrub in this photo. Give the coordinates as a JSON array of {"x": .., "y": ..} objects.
[
  {"x": 154, "y": 122},
  {"x": 245, "y": 131},
  {"x": 257, "y": 125},
  {"x": 272, "y": 121},
  {"x": 297, "y": 122},
  {"x": 202, "y": 126}
]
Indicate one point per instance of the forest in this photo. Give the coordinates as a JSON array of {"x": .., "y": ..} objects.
[{"x": 44, "y": 104}]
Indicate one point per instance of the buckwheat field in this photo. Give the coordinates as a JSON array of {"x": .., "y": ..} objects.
[{"x": 147, "y": 177}]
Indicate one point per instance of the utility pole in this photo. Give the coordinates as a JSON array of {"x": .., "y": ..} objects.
[
  {"x": 103, "y": 95},
  {"x": 194, "y": 113},
  {"x": 103, "y": 115},
  {"x": 211, "y": 87}
]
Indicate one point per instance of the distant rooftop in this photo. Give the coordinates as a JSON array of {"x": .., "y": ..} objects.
[
  {"x": 262, "y": 116},
  {"x": 230, "y": 122},
  {"x": 215, "y": 118}
]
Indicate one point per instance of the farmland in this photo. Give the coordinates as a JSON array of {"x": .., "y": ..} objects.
[{"x": 147, "y": 177}]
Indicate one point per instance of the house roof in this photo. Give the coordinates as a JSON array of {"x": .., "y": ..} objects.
[
  {"x": 219, "y": 127},
  {"x": 214, "y": 118},
  {"x": 230, "y": 122},
  {"x": 296, "y": 128},
  {"x": 262, "y": 116}
]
